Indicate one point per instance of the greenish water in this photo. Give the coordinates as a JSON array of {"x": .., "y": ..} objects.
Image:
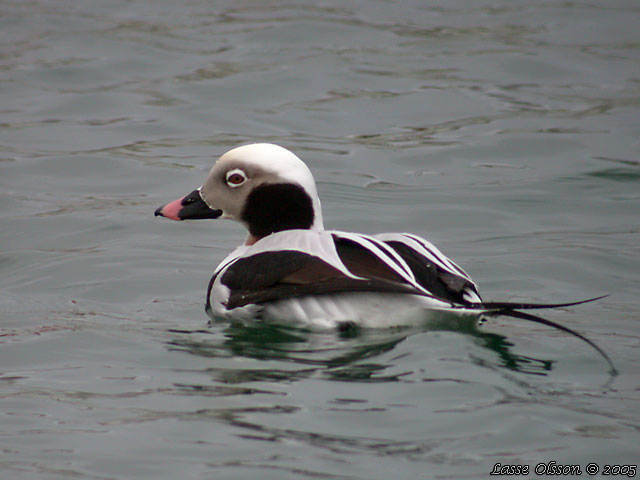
[{"x": 506, "y": 132}]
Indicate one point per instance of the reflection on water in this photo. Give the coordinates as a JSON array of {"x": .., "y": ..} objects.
[{"x": 338, "y": 355}]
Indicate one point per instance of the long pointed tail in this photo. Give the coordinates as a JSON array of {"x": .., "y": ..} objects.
[
  {"x": 534, "y": 318},
  {"x": 511, "y": 309},
  {"x": 529, "y": 306}
]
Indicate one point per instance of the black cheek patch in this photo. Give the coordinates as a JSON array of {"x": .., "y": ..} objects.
[{"x": 276, "y": 207}]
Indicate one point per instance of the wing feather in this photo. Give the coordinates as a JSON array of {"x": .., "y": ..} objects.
[
  {"x": 276, "y": 275},
  {"x": 433, "y": 270}
]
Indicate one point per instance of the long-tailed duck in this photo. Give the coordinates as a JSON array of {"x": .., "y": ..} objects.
[{"x": 291, "y": 269}]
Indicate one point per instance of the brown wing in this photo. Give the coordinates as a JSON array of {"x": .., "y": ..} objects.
[
  {"x": 270, "y": 276},
  {"x": 441, "y": 283}
]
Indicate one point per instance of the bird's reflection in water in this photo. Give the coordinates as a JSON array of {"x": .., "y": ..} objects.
[{"x": 351, "y": 354}]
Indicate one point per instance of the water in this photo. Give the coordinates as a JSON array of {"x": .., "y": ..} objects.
[{"x": 504, "y": 131}]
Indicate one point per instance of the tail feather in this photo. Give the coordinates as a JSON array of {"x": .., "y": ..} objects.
[
  {"x": 534, "y": 318},
  {"x": 528, "y": 306},
  {"x": 512, "y": 310}
]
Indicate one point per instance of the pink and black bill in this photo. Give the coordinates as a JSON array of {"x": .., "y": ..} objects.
[{"x": 190, "y": 207}]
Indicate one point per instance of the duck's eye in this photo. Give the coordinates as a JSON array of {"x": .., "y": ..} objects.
[{"x": 236, "y": 177}]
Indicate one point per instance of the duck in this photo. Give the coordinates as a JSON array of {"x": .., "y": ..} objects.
[{"x": 290, "y": 269}]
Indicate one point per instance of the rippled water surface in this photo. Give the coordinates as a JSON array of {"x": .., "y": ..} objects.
[{"x": 504, "y": 131}]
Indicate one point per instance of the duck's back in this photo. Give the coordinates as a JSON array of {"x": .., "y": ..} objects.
[{"x": 325, "y": 278}]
